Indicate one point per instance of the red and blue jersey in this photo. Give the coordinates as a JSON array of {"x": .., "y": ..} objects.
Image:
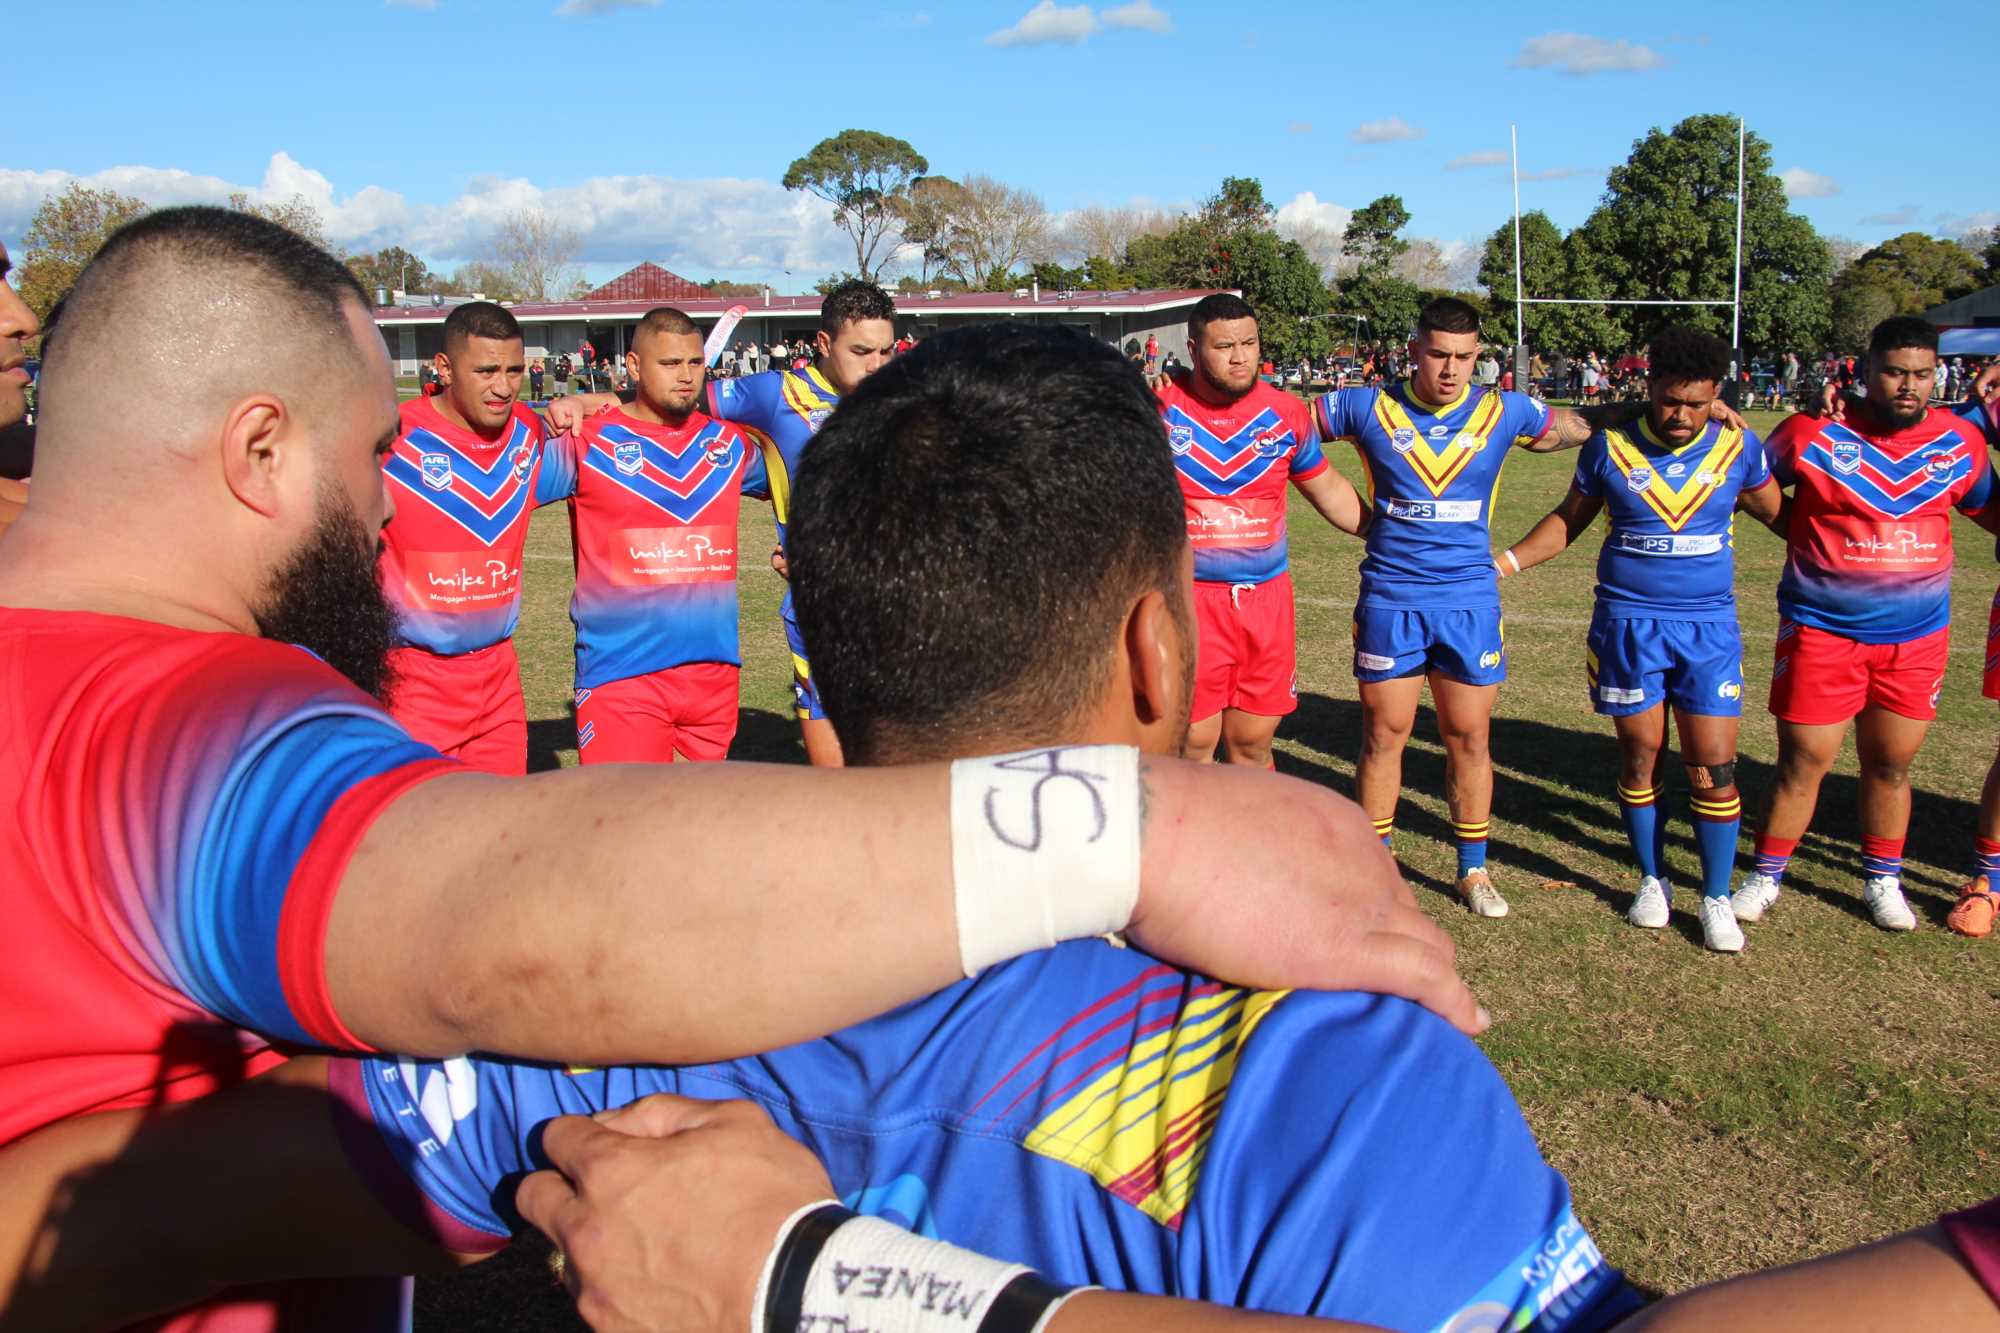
[
  {"x": 181, "y": 807},
  {"x": 653, "y": 524},
  {"x": 782, "y": 410},
  {"x": 1106, "y": 1119},
  {"x": 1432, "y": 473},
  {"x": 1869, "y": 553},
  {"x": 451, "y": 560},
  {"x": 1234, "y": 460},
  {"x": 1671, "y": 549}
]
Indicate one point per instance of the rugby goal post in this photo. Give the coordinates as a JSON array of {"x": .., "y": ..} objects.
[{"x": 1522, "y": 299}]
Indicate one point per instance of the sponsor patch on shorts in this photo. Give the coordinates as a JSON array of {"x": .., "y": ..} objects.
[
  {"x": 1373, "y": 662},
  {"x": 1612, "y": 695}
]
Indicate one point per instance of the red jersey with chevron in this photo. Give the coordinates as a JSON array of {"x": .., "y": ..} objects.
[
  {"x": 451, "y": 562},
  {"x": 653, "y": 522},
  {"x": 1234, "y": 460},
  {"x": 1870, "y": 540}
]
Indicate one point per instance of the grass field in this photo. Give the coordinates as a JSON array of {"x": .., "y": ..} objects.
[{"x": 1713, "y": 1114}]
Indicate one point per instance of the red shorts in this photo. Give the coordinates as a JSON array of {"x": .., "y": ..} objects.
[
  {"x": 1248, "y": 655},
  {"x": 469, "y": 706},
  {"x": 1819, "y": 678},
  {"x": 1991, "y": 687},
  {"x": 687, "y": 710}
]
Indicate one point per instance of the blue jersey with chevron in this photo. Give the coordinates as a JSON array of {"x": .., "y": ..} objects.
[
  {"x": 451, "y": 560},
  {"x": 1869, "y": 544},
  {"x": 1671, "y": 550},
  {"x": 782, "y": 410},
  {"x": 653, "y": 523},
  {"x": 1432, "y": 473},
  {"x": 1111, "y": 1120}
]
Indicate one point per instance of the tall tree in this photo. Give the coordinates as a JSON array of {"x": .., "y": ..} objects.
[
  {"x": 391, "y": 269},
  {"x": 538, "y": 251},
  {"x": 296, "y": 214},
  {"x": 993, "y": 227},
  {"x": 1105, "y": 233},
  {"x": 68, "y": 228},
  {"x": 1989, "y": 253},
  {"x": 1544, "y": 272},
  {"x": 488, "y": 281},
  {"x": 924, "y": 216},
  {"x": 1667, "y": 229},
  {"x": 1916, "y": 271},
  {"x": 1373, "y": 237},
  {"x": 1375, "y": 289},
  {"x": 864, "y": 175}
]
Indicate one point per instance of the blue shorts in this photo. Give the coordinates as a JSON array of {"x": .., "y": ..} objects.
[
  {"x": 1468, "y": 646},
  {"x": 805, "y": 695},
  {"x": 1633, "y": 663}
]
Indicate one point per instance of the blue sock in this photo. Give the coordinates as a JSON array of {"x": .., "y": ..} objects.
[
  {"x": 1642, "y": 827},
  {"x": 1715, "y": 826},
  {"x": 1881, "y": 856},
  {"x": 1471, "y": 845}
]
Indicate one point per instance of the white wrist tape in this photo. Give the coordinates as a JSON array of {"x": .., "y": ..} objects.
[
  {"x": 1044, "y": 847},
  {"x": 874, "y": 1275}
]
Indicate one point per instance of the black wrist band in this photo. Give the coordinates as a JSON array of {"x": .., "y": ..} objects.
[
  {"x": 784, "y": 1298},
  {"x": 1021, "y": 1304}
]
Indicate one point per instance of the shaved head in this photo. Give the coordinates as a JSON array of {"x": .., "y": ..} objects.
[{"x": 181, "y": 314}]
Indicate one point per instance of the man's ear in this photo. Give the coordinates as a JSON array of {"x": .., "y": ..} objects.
[
  {"x": 442, "y": 365},
  {"x": 255, "y": 451},
  {"x": 1154, "y": 655}
]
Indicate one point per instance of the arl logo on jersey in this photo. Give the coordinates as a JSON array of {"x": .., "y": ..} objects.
[
  {"x": 681, "y": 482},
  {"x": 1437, "y": 466},
  {"x": 1893, "y": 486},
  {"x": 483, "y": 500},
  {"x": 1224, "y": 466}
]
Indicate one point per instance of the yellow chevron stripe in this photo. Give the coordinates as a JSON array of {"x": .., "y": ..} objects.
[
  {"x": 1677, "y": 504},
  {"x": 1437, "y": 469}
]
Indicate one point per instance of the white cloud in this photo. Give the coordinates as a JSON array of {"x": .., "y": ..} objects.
[
  {"x": 1299, "y": 127},
  {"x": 1307, "y": 210},
  {"x": 1959, "y": 224},
  {"x": 1802, "y": 184},
  {"x": 1579, "y": 53},
  {"x": 1552, "y": 174},
  {"x": 1048, "y": 22},
  {"x": 409, "y": 4},
  {"x": 591, "y": 8},
  {"x": 1139, "y": 14},
  {"x": 1484, "y": 159},
  {"x": 698, "y": 228},
  {"x": 1393, "y": 130}
]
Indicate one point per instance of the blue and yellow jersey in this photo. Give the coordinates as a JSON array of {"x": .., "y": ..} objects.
[
  {"x": 1432, "y": 477},
  {"x": 1670, "y": 550},
  {"x": 782, "y": 410},
  {"x": 1108, "y": 1119}
]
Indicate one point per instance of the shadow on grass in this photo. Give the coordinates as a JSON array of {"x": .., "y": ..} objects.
[{"x": 1541, "y": 771}]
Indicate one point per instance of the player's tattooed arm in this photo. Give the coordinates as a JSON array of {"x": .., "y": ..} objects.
[
  {"x": 1769, "y": 505},
  {"x": 1568, "y": 429},
  {"x": 1337, "y": 501},
  {"x": 1550, "y": 537}
]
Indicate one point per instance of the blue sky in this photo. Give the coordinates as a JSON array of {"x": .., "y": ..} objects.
[{"x": 659, "y": 128}]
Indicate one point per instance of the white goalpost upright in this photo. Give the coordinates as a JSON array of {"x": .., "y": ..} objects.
[{"x": 1521, "y": 299}]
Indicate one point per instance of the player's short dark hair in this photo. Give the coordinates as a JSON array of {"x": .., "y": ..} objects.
[
  {"x": 1215, "y": 306},
  {"x": 1678, "y": 354},
  {"x": 967, "y": 530},
  {"x": 1447, "y": 314},
  {"x": 201, "y": 237},
  {"x": 663, "y": 319},
  {"x": 854, "y": 300},
  {"x": 479, "y": 319},
  {"x": 1902, "y": 331}
]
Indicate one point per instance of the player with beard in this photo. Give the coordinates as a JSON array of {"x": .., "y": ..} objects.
[
  {"x": 467, "y": 471},
  {"x": 1236, "y": 442},
  {"x": 1664, "y": 629},
  {"x": 1088, "y": 1110},
  {"x": 1864, "y": 604},
  {"x": 654, "y": 526},
  {"x": 17, "y": 325},
  {"x": 218, "y": 843}
]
